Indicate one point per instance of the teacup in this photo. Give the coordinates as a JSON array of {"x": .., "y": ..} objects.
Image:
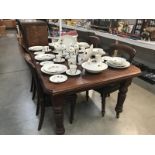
[
  {"x": 73, "y": 69},
  {"x": 58, "y": 57},
  {"x": 45, "y": 49}
]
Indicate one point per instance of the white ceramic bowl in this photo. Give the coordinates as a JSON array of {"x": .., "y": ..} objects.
[{"x": 94, "y": 67}]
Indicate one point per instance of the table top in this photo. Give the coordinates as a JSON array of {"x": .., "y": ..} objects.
[{"x": 86, "y": 81}]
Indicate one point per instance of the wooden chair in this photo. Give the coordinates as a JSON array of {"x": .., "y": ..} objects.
[
  {"x": 42, "y": 97},
  {"x": 40, "y": 94},
  {"x": 35, "y": 33},
  {"x": 121, "y": 51},
  {"x": 82, "y": 36},
  {"x": 94, "y": 40}
]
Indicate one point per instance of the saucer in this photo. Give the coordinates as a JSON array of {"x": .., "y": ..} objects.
[
  {"x": 62, "y": 60},
  {"x": 68, "y": 72},
  {"x": 46, "y": 62},
  {"x": 58, "y": 78}
]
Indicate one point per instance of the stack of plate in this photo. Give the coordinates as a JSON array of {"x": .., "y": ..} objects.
[
  {"x": 43, "y": 57},
  {"x": 35, "y": 48},
  {"x": 117, "y": 62},
  {"x": 54, "y": 69},
  {"x": 39, "y": 48}
]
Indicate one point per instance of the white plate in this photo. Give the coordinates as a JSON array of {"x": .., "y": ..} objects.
[
  {"x": 46, "y": 63},
  {"x": 94, "y": 67},
  {"x": 54, "y": 69},
  {"x": 41, "y": 57},
  {"x": 83, "y": 44},
  {"x": 125, "y": 65},
  {"x": 36, "y": 48},
  {"x": 39, "y": 53},
  {"x": 58, "y": 78},
  {"x": 62, "y": 60},
  {"x": 68, "y": 72},
  {"x": 42, "y": 70}
]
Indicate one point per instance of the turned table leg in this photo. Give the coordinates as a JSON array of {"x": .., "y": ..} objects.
[
  {"x": 72, "y": 100},
  {"x": 58, "y": 102},
  {"x": 122, "y": 95}
]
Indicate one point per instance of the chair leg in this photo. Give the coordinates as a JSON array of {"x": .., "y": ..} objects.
[
  {"x": 87, "y": 95},
  {"x": 72, "y": 109},
  {"x": 32, "y": 84},
  {"x": 38, "y": 104},
  {"x": 34, "y": 92},
  {"x": 103, "y": 97},
  {"x": 42, "y": 114}
]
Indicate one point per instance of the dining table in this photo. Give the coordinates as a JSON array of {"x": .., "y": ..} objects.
[{"x": 83, "y": 82}]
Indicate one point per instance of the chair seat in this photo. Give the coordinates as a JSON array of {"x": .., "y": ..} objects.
[{"x": 108, "y": 89}]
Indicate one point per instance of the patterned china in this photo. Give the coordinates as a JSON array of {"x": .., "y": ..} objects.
[
  {"x": 58, "y": 78},
  {"x": 94, "y": 67},
  {"x": 69, "y": 72},
  {"x": 42, "y": 57},
  {"x": 61, "y": 60},
  {"x": 118, "y": 62},
  {"x": 35, "y": 48},
  {"x": 54, "y": 69},
  {"x": 46, "y": 63}
]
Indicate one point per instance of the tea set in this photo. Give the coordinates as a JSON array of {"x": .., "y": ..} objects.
[{"x": 75, "y": 53}]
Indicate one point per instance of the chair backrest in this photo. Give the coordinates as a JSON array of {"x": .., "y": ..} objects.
[
  {"x": 122, "y": 50},
  {"x": 34, "y": 33},
  {"x": 29, "y": 62},
  {"x": 82, "y": 36},
  {"x": 94, "y": 40},
  {"x": 32, "y": 68}
]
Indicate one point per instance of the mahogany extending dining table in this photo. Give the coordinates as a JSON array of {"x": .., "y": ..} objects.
[{"x": 85, "y": 81}]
